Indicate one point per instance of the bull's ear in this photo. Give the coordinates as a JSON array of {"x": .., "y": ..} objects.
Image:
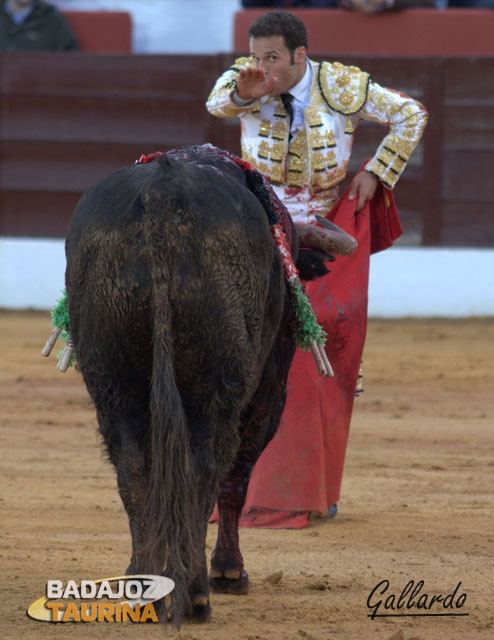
[{"x": 310, "y": 264}]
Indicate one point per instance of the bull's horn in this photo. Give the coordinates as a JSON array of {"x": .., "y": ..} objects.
[{"x": 330, "y": 239}]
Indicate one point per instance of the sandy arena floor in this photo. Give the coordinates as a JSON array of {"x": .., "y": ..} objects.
[{"x": 417, "y": 499}]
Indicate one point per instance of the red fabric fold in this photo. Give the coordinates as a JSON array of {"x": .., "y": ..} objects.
[{"x": 385, "y": 225}]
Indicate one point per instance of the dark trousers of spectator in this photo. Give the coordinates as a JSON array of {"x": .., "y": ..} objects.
[
  {"x": 288, "y": 4},
  {"x": 472, "y": 4}
]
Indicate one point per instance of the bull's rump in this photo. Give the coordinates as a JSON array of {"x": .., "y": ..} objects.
[{"x": 192, "y": 242}]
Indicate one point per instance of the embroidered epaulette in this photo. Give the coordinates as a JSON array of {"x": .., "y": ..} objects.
[
  {"x": 241, "y": 63},
  {"x": 343, "y": 88},
  {"x": 237, "y": 66}
]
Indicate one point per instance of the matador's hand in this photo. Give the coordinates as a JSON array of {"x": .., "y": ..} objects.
[
  {"x": 364, "y": 187},
  {"x": 253, "y": 83}
]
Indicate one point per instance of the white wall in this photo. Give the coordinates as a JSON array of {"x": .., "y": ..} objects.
[
  {"x": 32, "y": 272},
  {"x": 403, "y": 282},
  {"x": 171, "y": 26},
  {"x": 432, "y": 282}
]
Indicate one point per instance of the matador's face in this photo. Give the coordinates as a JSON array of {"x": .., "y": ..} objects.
[{"x": 271, "y": 54}]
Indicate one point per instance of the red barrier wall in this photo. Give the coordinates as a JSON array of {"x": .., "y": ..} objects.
[
  {"x": 101, "y": 31},
  {"x": 412, "y": 32}
]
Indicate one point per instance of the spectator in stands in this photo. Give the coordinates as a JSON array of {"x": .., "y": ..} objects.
[
  {"x": 34, "y": 25},
  {"x": 369, "y": 6},
  {"x": 376, "y": 6},
  {"x": 471, "y": 4},
  {"x": 289, "y": 4}
]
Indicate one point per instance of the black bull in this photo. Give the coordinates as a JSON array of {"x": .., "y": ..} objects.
[{"x": 183, "y": 332}]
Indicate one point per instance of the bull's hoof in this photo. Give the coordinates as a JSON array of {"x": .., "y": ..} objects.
[
  {"x": 200, "y": 609},
  {"x": 237, "y": 587},
  {"x": 199, "y": 600},
  {"x": 201, "y": 614},
  {"x": 231, "y": 574}
]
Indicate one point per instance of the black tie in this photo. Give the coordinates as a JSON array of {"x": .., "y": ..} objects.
[{"x": 287, "y": 100}]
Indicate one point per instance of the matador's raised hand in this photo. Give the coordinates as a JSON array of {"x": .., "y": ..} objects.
[{"x": 254, "y": 83}]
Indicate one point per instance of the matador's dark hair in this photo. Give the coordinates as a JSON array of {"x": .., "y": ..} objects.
[{"x": 281, "y": 23}]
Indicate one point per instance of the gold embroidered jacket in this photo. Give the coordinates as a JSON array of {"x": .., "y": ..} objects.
[{"x": 317, "y": 156}]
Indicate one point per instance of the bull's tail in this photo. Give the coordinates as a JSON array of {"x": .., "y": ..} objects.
[
  {"x": 172, "y": 514},
  {"x": 171, "y": 505}
]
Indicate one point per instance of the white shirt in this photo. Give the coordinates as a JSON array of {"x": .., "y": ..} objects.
[{"x": 301, "y": 95}]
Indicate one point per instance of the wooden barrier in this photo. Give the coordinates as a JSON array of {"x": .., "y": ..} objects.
[
  {"x": 67, "y": 120},
  {"x": 412, "y": 32},
  {"x": 101, "y": 31}
]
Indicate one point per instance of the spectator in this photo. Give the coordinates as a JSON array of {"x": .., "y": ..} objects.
[
  {"x": 471, "y": 4},
  {"x": 369, "y": 6},
  {"x": 34, "y": 25},
  {"x": 376, "y": 6},
  {"x": 289, "y": 4}
]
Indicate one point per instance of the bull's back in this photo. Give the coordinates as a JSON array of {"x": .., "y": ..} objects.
[
  {"x": 225, "y": 286},
  {"x": 189, "y": 240}
]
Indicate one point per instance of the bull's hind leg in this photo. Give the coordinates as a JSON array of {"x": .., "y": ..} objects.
[
  {"x": 123, "y": 422},
  {"x": 227, "y": 573},
  {"x": 130, "y": 478},
  {"x": 206, "y": 468},
  {"x": 200, "y": 607},
  {"x": 259, "y": 424}
]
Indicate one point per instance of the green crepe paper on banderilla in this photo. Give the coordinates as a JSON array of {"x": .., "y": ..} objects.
[
  {"x": 308, "y": 330},
  {"x": 60, "y": 317},
  {"x": 60, "y": 320}
]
